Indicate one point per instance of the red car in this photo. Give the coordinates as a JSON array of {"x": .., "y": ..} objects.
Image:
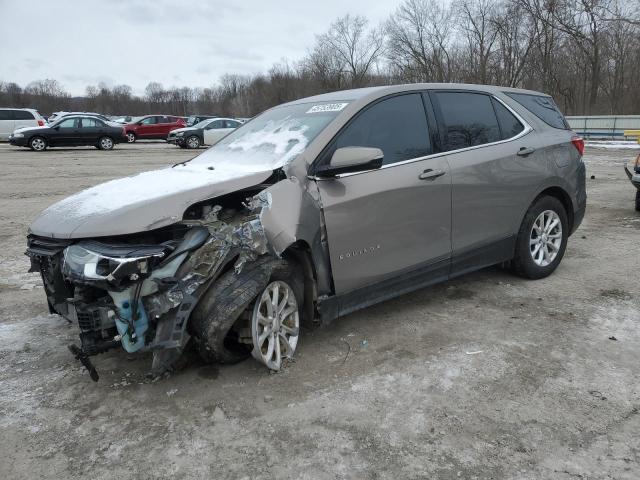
[{"x": 153, "y": 126}]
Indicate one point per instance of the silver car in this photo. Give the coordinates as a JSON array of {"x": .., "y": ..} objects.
[{"x": 312, "y": 210}]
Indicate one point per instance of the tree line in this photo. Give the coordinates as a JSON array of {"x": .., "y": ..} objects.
[{"x": 585, "y": 53}]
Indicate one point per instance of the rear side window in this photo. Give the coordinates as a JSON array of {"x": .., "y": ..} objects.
[
  {"x": 6, "y": 115},
  {"x": 397, "y": 126},
  {"x": 510, "y": 126},
  {"x": 22, "y": 115},
  {"x": 91, "y": 123},
  {"x": 231, "y": 124},
  {"x": 542, "y": 107},
  {"x": 468, "y": 119}
]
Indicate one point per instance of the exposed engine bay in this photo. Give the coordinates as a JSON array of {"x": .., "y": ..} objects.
[{"x": 139, "y": 290}]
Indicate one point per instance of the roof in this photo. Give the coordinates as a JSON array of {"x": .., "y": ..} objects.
[{"x": 375, "y": 92}]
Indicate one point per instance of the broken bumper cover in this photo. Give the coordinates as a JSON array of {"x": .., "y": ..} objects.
[{"x": 141, "y": 296}]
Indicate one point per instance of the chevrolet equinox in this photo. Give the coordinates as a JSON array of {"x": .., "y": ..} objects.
[{"x": 310, "y": 211}]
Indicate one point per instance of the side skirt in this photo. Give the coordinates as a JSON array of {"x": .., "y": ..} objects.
[{"x": 332, "y": 307}]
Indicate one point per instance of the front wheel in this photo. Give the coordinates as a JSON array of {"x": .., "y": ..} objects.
[
  {"x": 542, "y": 239},
  {"x": 38, "y": 144},
  {"x": 193, "y": 142},
  {"x": 105, "y": 143},
  {"x": 131, "y": 137}
]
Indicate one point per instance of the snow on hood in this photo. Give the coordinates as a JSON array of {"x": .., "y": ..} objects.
[{"x": 142, "y": 202}]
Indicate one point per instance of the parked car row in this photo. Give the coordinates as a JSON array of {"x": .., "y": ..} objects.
[{"x": 27, "y": 128}]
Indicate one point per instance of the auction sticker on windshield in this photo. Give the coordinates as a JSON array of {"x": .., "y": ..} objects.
[{"x": 327, "y": 107}]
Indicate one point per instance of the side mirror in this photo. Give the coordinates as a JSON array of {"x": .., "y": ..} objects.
[
  {"x": 57, "y": 127},
  {"x": 350, "y": 160}
]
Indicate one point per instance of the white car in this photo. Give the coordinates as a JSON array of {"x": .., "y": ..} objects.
[
  {"x": 13, "y": 118},
  {"x": 207, "y": 132}
]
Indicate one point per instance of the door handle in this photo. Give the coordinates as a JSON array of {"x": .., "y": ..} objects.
[
  {"x": 430, "y": 174},
  {"x": 524, "y": 151}
]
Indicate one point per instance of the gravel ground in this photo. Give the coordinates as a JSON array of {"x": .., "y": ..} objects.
[{"x": 487, "y": 376}]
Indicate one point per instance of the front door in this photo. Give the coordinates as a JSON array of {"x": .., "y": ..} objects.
[
  {"x": 383, "y": 223},
  {"x": 66, "y": 133},
  {"x": 148, "y": 127},
  {"x": 214, "y": 132}
]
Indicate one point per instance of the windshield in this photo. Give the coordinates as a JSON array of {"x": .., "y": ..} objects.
[{"x": 274, "y": 138}]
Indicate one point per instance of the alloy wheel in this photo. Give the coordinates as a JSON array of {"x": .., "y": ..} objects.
[
  {"x": 38, "y": 144},
  {"x": 131, "y": 137},
  {"x": 193, "y": 142},
  {"x": 275, "y": 325},
  {"x": 106, "y": 143},
  {"x": 545, "y": 238}
]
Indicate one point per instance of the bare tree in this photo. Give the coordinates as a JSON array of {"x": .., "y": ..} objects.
[
  {"x": 478, "y": 26},
  {"x": 355, "y": 48},
  {"x": 420, "y": 41}
]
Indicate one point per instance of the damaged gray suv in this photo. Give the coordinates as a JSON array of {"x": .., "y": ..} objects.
[{"x": 310, "y": 211}]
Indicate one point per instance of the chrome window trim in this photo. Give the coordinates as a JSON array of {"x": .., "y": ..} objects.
[{"x": 527, "y": 129}]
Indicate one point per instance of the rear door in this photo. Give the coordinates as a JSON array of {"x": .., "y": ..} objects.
[
  {"x": 383, "y": 223},
  {"x": 91, "y": 130},
  {"x": 6, "y": 123},
  {"x": 491, "y": 182},
  {"x": 165, "y": 125}
]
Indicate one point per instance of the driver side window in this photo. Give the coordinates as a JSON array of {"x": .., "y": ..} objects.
[
  {"x": 148, "y": 121},
  {"x": 70, "y": 123},
  {"x": 396, "y": 125},
  {"x": 215, "y": 125}
]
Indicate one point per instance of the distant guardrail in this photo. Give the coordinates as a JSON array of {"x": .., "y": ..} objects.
[{"x": 605, "y": 126}]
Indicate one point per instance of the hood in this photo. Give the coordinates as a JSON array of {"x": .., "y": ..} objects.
[
  {"x": 184, "y": 129},
  {"x": 24, "y": 129},
  {"x": 142, "y": 202}
]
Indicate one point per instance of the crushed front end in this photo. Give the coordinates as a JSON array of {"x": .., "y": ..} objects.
[{"x": 138, "y": 291}]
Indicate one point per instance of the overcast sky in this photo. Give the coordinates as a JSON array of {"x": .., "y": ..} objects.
[{"x": 174, "y": 42}]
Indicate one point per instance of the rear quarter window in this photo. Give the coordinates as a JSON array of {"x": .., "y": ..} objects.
[
  {"x": 22, "y": 115},
  {"x": 542, "y": 107},
  {"x": 510, "y": 126}
]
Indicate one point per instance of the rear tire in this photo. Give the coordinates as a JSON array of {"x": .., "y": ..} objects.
[
  {"x": 38, "y": 144},
  {"x": 105, "y": 143},
  {"x": 539, "y": 249},
  {"x": 637, "y": 200}
]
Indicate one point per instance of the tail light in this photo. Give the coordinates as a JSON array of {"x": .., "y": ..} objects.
[
  {"x": 41, "y": 123},
  {"x": 578, "y": 142}
]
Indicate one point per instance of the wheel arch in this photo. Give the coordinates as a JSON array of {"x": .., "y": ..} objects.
[
  {"x": 300, "y": 252},
  {"x": 564, "y": 197}
]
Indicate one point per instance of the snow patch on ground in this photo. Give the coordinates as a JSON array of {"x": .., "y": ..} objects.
[{"x": 612, "y": 144}]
